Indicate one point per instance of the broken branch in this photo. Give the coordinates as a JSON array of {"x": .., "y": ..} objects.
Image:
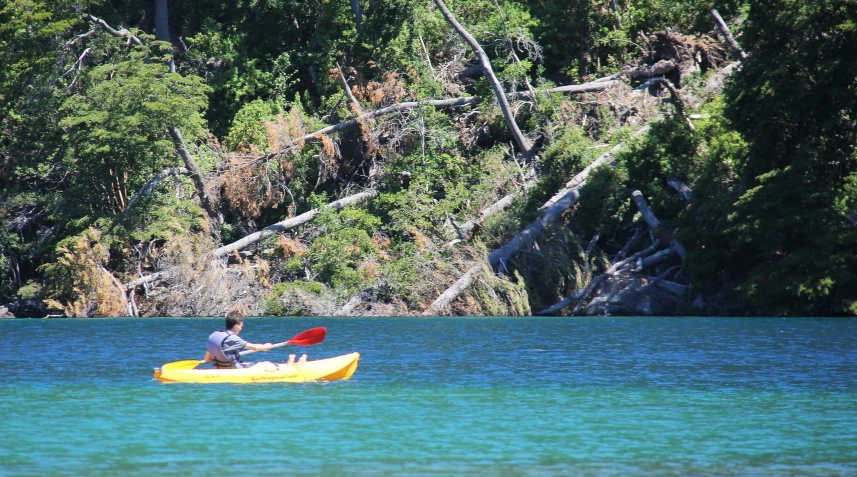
[{"x": 290, "y": 223}]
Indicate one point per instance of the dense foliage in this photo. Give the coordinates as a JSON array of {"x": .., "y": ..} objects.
[{"x": 97, "y": 191}]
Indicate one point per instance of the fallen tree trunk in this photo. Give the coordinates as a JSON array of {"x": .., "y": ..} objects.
[
  {"x": 581, "y": 293},
  {"x": 520, "y": 139},
  {"x": 646, "y": 212},
  {"x": 676, "y": 289},
  {"x": 580, "y": 178},
  {"x": 660, "y": 68},
  {"x": 591, "y": 87},
  {"x": 442, "y": 302},
  {"x": 290, "y": 223},
  {"x": 468, "y": 229},
  {"x": 150, "y": 186},
  {"x": 196, "y": 174},
  {"x": 655, "y": 258},
  {"x": 526, "y": 237},
  {"x": 598, "y": 85},
  {"x": 631, "y": 242},
  {"x": 163, "y": 275},
  {"x": 683, "y": 190},
  {"x": 558, "y": 204},
  {"x": 725, "y": 30},
  {"x": 677, "y": 102},
  {"x": 655, "y": 225}
]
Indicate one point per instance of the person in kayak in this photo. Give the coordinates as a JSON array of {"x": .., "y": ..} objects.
[{"x": 224, "y": 346}]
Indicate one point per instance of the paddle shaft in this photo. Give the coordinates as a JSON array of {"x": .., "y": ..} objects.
[
  {"x": 251, "y": 351},
  {"x": 306, "y": 338}
]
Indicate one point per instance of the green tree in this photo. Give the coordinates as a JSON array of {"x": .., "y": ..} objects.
[
  {"x": 792, "y": 229},
  {"x": 117, "y": 124}
]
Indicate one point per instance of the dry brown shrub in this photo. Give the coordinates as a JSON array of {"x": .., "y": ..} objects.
[
  {"x": 390, "y": 91},
  {"x": 328, "y": 146},
  {"x": 240, "y": 186},
  {"x": 368, "y": 135},
  {"x": 80, "y": 272},
  {"x": 263, "y": 273},
  {"x": 285, "y": 129},
  {"x": 423, "y": 243},
  {"x": 200, "y": 286},
  {"x": 291, "y": 246},
  {"x": 248, "y": 187},
  {"x": 369, "y": 270},
  {"x": 328, "y": 166},
  {"x": 381, "y": 243}
]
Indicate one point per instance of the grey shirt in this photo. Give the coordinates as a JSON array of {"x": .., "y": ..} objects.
[{"x": 233, "y": 343}]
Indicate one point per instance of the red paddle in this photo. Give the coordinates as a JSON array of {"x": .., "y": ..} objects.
[{"x": 306, "y": 338}]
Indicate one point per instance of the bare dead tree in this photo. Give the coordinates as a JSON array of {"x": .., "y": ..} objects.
[
  {"x": 725, "y": 30},
  {"x": 196, "y": 175},
  {"x": 521, "y": 140},
  {"x": 582, "y": 293},
  {"x": 683, "y": 190},
  {"x": 654, "y": 224},
  {"x": 122, "y": 32},
  {"x": 290, "y": 224},
  {"x": 436, "y": 103},
  {"x": 358, "y": 110},
  {"x": 153, "y": 182},
  {"x": 358, "y": 16},
  {"x": 615, "y": 8},
  {"x": 162, "y": 27},
  {"x": 675, "y": 97}
]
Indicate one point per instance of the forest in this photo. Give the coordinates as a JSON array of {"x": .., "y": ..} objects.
[{"x": 428, "y": 157}]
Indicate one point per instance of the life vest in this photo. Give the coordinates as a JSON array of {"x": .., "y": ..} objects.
[{"x": 215, "y": 349}]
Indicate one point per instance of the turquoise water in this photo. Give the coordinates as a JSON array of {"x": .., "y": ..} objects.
[{"x": 440, "y": 397}]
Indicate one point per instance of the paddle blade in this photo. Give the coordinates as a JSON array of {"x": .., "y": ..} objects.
[
  {"x": 309, "y": 337},
  {"x": 181, "y": 365}
]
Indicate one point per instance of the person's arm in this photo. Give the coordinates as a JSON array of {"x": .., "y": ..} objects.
[
  {"x": 207, "y": 357},
  {"x": 258, "y": 347}
]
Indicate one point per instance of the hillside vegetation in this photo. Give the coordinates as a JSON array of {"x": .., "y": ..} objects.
[{"x": 408, "y": 157}]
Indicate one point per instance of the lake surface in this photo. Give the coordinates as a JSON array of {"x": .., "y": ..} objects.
[{"x": 440, "y": 397}]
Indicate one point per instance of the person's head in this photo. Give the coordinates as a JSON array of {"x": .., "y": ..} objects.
[{"x": 234, "y": 321}]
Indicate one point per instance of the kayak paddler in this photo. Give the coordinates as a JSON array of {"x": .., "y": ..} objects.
[{"x": 224, "y": 345}]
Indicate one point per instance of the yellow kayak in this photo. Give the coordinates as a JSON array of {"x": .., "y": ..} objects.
[{"x": 330, "y": 369}]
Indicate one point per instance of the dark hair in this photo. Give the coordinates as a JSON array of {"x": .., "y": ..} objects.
[{"x": 233, "y": 318}]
